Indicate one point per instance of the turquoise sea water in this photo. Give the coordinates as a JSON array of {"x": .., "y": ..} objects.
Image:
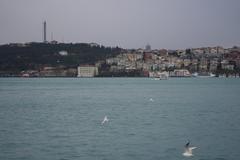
[{"x": 60, "y": 118}]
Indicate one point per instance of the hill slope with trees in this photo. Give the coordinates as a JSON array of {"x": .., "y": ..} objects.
[{"x": 16, "y": 57}]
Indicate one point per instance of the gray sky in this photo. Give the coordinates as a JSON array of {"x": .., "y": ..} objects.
[{"x": 171, "y": 24}]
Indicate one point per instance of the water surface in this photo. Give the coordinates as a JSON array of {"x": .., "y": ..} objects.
[{"x": 60, "y": 118}]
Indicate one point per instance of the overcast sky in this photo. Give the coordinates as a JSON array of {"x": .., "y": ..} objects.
[{"x": 171, "y": 24}]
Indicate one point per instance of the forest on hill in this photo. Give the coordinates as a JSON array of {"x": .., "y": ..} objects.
[{"x": 17, "y": 57}]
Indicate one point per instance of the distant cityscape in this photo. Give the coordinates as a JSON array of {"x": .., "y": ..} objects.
[
  {"x": 205, "y": 61},
  {"x": 93, "y": 60}
]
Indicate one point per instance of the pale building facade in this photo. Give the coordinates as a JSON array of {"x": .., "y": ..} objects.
[{"x": 87, "y": 71}]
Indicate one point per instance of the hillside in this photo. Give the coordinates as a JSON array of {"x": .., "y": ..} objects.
[{"x": 18, "y": 57}]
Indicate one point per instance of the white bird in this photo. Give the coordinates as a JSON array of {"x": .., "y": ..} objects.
[
  {"x": 105, "y": 120},
  {"x": 188, "y": 150},
  {"x": 151, "y": 99}
]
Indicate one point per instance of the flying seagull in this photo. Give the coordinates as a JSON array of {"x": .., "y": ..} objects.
[
  {"x": 188, "y": 150},
  {"x": 105, "y": 120}
]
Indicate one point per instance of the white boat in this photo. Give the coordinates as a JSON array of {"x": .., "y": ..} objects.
[
  {"x": 195, "y": 74},
  {"x": 161, "y": 76},
  {"x": 203, "y": 75}
]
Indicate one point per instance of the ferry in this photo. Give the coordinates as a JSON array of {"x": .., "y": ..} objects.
[{"x": 203, "y": 75}]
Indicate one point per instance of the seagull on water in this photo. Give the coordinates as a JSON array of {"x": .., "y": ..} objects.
[
  {"x": 188, "y": 150},
  {"x": 105, "y": 120},
  {"x": 151, "y": 100}
]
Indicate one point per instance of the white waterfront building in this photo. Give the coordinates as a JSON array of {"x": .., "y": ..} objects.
[{"x": 87, "y": 71}]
